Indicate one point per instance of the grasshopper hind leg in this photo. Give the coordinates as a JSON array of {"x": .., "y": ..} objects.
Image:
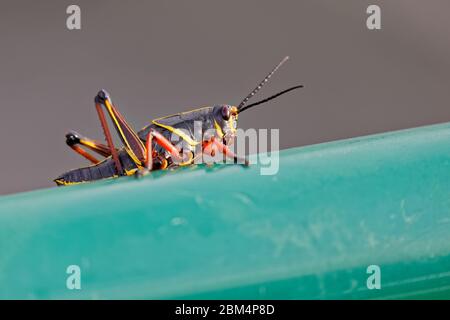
[{"x": 75, "y": 141}]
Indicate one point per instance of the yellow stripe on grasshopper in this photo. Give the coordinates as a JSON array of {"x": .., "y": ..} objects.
[
  {"x": 127, "y": 147},
  {"x": 218, "y": 129},
  {"x": 178, "y": 132}
]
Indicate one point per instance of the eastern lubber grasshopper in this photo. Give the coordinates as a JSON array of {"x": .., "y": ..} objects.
[{"x": 154, "y": 147}]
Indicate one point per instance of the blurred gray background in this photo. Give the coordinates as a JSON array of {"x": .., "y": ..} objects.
[{"x": 161, "y": 57}]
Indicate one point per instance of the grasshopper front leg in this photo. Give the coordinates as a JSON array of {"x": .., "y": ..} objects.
[{"x": 213, "y": 145}]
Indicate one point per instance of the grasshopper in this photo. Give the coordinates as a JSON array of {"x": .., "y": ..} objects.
[{"x": 155, "y": 146}]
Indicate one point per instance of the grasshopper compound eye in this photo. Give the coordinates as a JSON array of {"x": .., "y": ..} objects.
[{"x": 226, "y": 113}]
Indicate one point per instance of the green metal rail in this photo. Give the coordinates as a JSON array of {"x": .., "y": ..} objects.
[{"x": 308, "y": 232}]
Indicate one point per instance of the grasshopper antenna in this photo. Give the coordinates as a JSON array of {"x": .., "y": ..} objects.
[
  {"x": 260, "y": 85},
  {"x": 270, "y": 98}
]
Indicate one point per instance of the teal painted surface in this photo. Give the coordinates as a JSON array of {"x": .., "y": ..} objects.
[{"x": 227, "y": 232}]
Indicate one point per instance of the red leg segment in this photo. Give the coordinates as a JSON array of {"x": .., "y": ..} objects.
[
  {"x": 226, "y": 151},
  {"x": 166, "y": 144},
  {"x": 108, "y": 137},
  {"x": 85, "y": 154},
  {"x": 133, "y": 145},
  {"x": 149, "y": 153}
]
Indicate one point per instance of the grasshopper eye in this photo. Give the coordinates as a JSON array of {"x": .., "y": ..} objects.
[{"x": 226, "y": 113}]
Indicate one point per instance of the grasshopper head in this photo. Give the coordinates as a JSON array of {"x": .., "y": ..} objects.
[
  {"x": 225, "y": 121},
  {"x": 225, "y": 116}
]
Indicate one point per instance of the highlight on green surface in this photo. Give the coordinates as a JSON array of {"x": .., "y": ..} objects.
[{"x": 364, "y": 218}]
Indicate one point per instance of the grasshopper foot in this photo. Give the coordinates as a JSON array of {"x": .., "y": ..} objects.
[{"x": 140, "y": 173}]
